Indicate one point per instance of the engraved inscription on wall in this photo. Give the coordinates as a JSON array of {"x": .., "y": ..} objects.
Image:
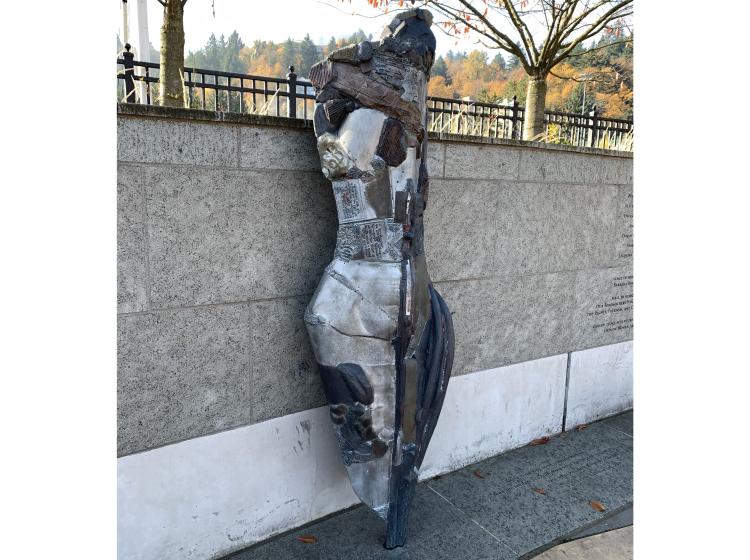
[
  {"x": 625, "y": 230},
  {"x": 604, "y": 306},
  {"x": 615, "y": 311}
]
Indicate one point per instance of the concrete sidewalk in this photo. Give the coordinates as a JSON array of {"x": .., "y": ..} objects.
[
  {"x": 512, "y": 506},
  {"x": 612, "y": 545}
]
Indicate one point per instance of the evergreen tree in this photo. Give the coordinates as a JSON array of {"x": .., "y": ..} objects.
[
  {"x": 357, "y": 37},
  {"x": 211, "y": 52},
  {"x": 289, "y": 53},
  {"x": 331, "y": 45},
  {"x": 575, "y": 102},
  {"x": 440, "y": 68},
  {"x": 308, "y": 55},
  {"x": 498, "y": 63},
  {"x": 230, "y": 57}
]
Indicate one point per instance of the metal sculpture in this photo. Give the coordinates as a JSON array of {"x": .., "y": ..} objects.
[{"x": 382, "y": 335}]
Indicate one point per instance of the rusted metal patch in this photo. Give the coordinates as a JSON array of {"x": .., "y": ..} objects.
[
  {"x": 392, "y": 144},
  {"x": 321, "y": 74}
]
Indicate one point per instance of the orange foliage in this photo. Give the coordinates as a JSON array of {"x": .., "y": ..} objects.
[{"x": 437, "y": 88}]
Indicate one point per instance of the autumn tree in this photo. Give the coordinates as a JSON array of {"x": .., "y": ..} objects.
[{"x": 539, "y": 33}]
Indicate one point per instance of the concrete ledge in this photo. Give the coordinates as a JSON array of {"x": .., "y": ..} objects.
[{"x": 136, "y": 109}]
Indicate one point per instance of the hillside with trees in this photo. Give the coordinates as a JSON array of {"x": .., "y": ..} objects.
[
  {"x": 599, "y": 74},
  {"x": 604, "y": 71}
]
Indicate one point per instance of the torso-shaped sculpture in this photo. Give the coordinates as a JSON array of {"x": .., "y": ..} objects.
[{"x": 381, "y": 333}]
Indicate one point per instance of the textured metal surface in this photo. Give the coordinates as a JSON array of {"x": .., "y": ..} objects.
[{"x": 381, "y": 333}]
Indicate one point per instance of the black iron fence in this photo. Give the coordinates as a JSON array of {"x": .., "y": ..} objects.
[{"x": 294, "y": 97}]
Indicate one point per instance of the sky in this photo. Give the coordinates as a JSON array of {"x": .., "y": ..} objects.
[{"x": 277, "y": 20}]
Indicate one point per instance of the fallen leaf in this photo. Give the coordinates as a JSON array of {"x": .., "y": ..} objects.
[
  {"x": 478, "y": 474},
  {"x": 582, "y": 427},
  {"x": 307, "y": 539},
  {"x": 540, "y": 441},
  {"x": 598, "y": 506},
  {"x": 539, "y": 490}
]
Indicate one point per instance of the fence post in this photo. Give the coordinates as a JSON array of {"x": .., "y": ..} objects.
[
  {"x": 514, "y": 118},
  {"x": 291, "y": 107},
  {"x": 593, "y": 135},
  {"x": 127, "y": 57}
]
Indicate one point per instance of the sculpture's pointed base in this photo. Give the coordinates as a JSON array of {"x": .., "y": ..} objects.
[{"x": 403, "y": 485}]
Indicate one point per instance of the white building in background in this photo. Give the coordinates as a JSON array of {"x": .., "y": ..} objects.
[{"x": 134, "y": 30}]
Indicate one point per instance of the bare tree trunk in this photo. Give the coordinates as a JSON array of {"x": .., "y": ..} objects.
[
  {"x": 172, "y": 58},
  {"x": 533, "y": 120}
]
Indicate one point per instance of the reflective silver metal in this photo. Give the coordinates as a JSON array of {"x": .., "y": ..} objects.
[{"x": 382, "y": 335}]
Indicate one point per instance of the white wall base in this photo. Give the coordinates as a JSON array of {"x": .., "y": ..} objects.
[
  {"x": 600, "y": 384},
  {"x": 208, "y": 496},
  {"x": 491, "y": 411}
]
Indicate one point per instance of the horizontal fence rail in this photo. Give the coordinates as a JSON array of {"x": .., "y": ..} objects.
[{"x": 137, "y": 82}]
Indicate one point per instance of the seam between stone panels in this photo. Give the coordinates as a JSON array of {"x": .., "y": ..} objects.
[
  {"x": 239, "y": 147},
  {"x": 437, "y": 282},
  {"x": 215, "y": 304},
  {"x": 541, "y": 273},
  {"x": 215, "y": 167},
  {"x": 518, "y": 168},
  {"x": 147, "y": 246},
  {"x": 567, "y": 385},
  {"x": 536, "y": 182},
  {"x": 515, "y": 552},
  {"x": 317, "y": 172},
  {"x": 250, "y": 363},
  {"x": 445, "y": 157},
  {"x": 497, "y": 191}
]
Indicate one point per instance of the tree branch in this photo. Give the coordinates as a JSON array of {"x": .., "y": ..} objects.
[
  {"x": 593, "y": 29},
  {"x": 509, "y": 45},
  {"x": 503, "y": 41},
  {"x": 566, "y": 12},
  {"x": 523, "y": 31},
  {"x": 574, "y": 79},
  {"x": 623, "y": 42}
]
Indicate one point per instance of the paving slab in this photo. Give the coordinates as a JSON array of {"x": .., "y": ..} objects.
[
  {"x": 622, "y": 422},
  {"x": 612, "y": 545},
  {"x": 515, "y": 505},
  {"x": 623, "y": 518},
  {"x": 442, "y": 532}
]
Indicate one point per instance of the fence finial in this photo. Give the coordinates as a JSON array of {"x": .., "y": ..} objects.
[
  {"x": 128, "y": 71},
  {"x": 515, "y": 121},
  {"x": 291, "y": 107}
]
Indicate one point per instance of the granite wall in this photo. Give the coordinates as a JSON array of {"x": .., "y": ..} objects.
[{"x": 225, "y": 224}]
